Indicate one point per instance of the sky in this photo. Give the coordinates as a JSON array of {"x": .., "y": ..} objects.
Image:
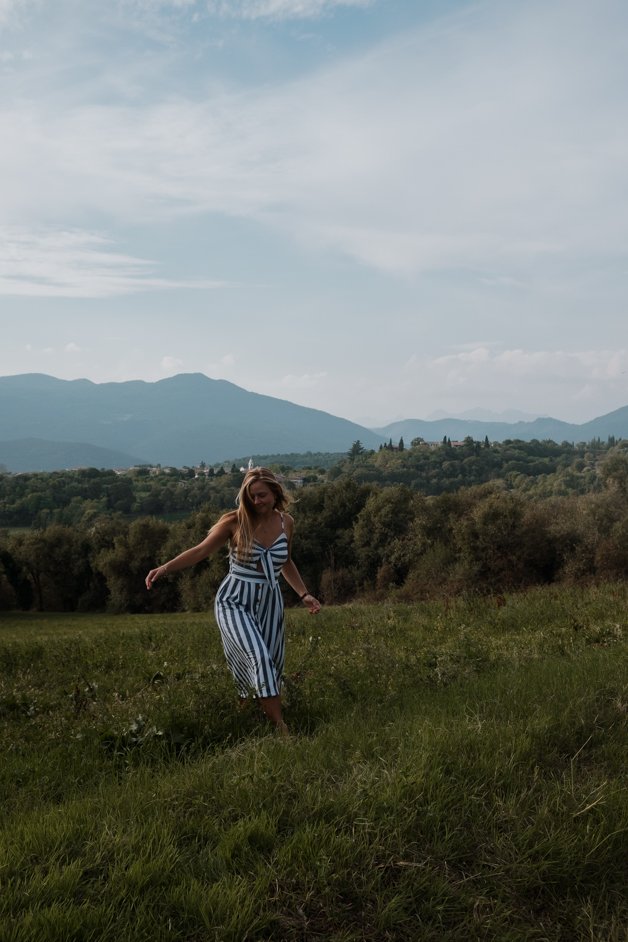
[{"x": 383, "y": 209}]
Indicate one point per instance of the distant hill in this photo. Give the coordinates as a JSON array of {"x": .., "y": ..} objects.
[
  {"x": 35, "y": 454},
  {"x": 177, "y": 421},
  {"x": 615, "y": 423}
]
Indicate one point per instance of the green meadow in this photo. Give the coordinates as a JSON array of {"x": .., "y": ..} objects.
[{"x": 457, "y": 770}]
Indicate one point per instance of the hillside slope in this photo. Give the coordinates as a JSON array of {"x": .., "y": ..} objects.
[{"x": 177, "y": 421}]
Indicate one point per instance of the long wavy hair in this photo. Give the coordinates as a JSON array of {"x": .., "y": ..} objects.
[{"x": 245, "y": 514}]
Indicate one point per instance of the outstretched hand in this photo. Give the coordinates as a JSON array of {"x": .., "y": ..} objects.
[{"x": 153, "y": 575}]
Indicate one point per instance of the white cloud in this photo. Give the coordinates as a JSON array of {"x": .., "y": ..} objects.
[
  {"x": 279, "y": 9},
  {"x": 160, "y": 4},
  {"x": 223, "y": 367},
  {"x": 578, "y": 365},
  {"x": 546, "y": 378},
  {"x": 36, "y": 351},
  {"x": 253, "y": 9},
  {"x": 9, "y": 9},
  {"x": 304, "y": 381},
  {"x": 74, "y": 264},
  {"x": 171, "y": 364}
]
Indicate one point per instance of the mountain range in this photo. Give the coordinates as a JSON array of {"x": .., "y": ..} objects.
[
  {"x": 178, "y": 421},
  {"x": 613, "y": 424},
  {"x": 48, "y": 424}
]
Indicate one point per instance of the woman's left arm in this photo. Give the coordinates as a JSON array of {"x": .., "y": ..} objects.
[{"x": 293, "y": 577}]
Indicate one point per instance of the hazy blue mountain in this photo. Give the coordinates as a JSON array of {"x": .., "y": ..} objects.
[
  {"x": 615, "y": 423},
  {"x": 177, "y": 421},
  {"x": 48, "y": 423},
  {"x": 36, "y": 454}
]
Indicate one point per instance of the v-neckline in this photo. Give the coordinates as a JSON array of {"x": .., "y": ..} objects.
[
  {"x": 280, "y": 534},
  {"x": 270, "y": 545}
]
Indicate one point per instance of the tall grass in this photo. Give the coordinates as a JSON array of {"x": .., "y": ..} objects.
[{"x": 457, "y": 772}]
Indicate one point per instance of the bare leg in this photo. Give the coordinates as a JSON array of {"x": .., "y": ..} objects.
[{"x": 272, "y": 708}]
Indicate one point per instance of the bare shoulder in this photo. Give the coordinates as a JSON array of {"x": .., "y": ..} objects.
[
  {"x": 231, "y": 516},
  {"x": 226, "y": 524},
  {"x": 288, "y": 521}
]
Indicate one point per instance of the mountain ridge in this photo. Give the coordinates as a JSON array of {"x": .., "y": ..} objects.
[
  {"x": 37, "y": 454},
  {"x": 613, "y": 424},
  {"x": 189, "y": 418},
  {"x": 180, "y": 420}
]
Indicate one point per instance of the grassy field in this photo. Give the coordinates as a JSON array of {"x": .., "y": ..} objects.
[{"x": 456, "y": 772}]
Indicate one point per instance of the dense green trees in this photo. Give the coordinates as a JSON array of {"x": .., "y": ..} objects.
[
  {"x": 353, "y": 540},
  {"x": 75, "y": 497},
  {"x": 540, "y": 469},
  {"x": 413, "y": 523}
]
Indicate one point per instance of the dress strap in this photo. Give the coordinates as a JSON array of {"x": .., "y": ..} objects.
[{"x": 282, "y": 524}]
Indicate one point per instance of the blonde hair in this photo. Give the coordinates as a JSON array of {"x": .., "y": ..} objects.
[{"x": 243, "y": 537}]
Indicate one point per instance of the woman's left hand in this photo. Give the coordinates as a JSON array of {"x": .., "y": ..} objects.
[{"x": 312, "y": 604}]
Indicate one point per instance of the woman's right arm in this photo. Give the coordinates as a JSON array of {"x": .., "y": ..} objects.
[{"x": 220, "y": 533}]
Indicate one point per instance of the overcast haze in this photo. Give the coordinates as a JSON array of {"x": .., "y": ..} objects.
[{"x": 380, "y": 209}]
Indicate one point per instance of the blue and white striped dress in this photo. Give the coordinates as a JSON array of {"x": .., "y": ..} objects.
[{"x": 249, "y": 612}]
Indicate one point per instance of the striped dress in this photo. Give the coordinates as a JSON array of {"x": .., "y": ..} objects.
[{"x": 249, "y": 612}]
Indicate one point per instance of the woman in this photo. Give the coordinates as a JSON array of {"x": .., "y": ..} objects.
[{"x": 249, "y": 604}]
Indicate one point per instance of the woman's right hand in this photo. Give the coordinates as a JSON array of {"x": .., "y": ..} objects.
[{"x": 155, "y": 574}]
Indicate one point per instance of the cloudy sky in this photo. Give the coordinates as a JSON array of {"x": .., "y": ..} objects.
[{"x": 379, "y": 208}]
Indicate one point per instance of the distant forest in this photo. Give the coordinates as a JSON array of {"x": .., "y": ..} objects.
[{"x": 406, "y": 522}]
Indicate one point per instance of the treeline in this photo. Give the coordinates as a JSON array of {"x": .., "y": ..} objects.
[
  {"x": 355, "y": 539},
  {"x": 78, "y": 498},
  {"x": 538, "y": 468}
]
